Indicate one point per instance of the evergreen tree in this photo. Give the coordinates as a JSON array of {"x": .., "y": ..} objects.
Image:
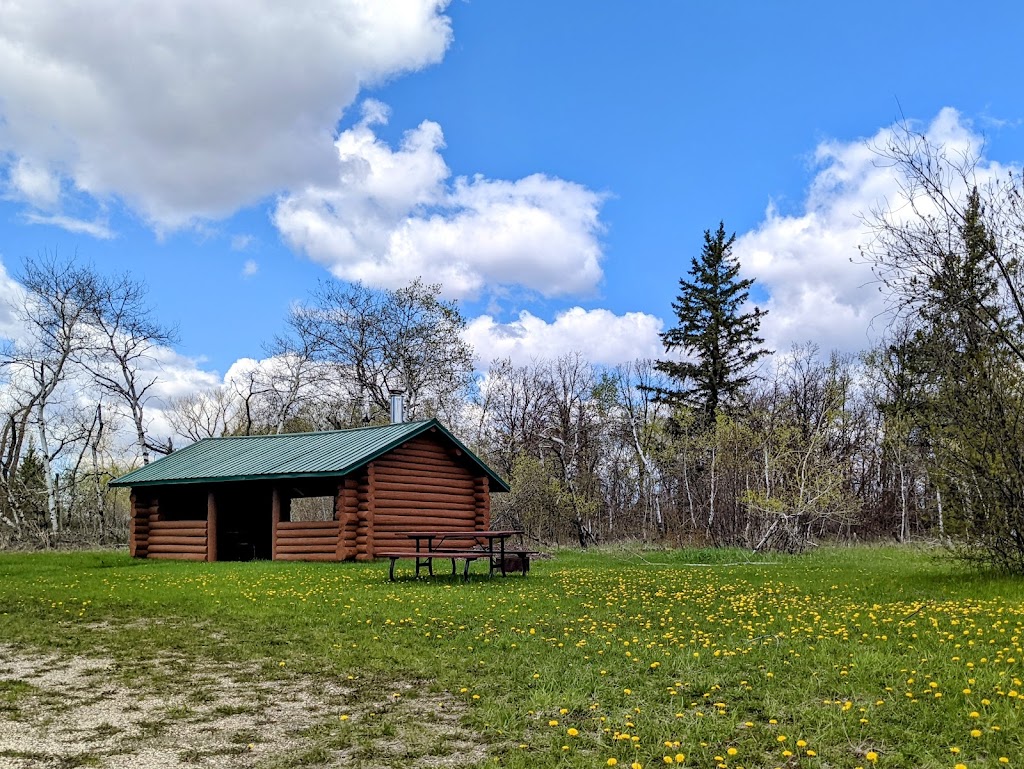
[{"x": 720, "y": 342}]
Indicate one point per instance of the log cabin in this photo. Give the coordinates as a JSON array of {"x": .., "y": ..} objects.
[{"x": 231, "y": 499}]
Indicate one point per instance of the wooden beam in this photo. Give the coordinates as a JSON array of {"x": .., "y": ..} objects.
[
  {"x": 211, "y": 527},
  {"x": 275, "y": 520}
]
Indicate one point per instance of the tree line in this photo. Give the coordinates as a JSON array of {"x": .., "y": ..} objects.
[{"x": 721, "y": 442}]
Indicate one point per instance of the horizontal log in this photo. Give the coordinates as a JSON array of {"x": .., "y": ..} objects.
[
  {"x": 306, "y": 557},
  {"x": 311, "y": 532},
  {"x": 424, "y": 458},
  {"x": 191, "y": 524},
  {"x": 425, "y": 451},
  {"x": 178, "y": 556},
  {"x": 169, "y": 540},
  {"x": 418, "y": 457},
  {"x": 433, "y": 494},
  {"x": 398, "y": 482},
  {"x": 420, "y": 443},
  {"x": 403, "y": 535},
  {"x": 407, "y": 513},
  {"x": 395, "y": 515},
  {"x": 177, "y": 548},
  {"x": 414, "y": 473},
  {"x": 306, "y": 549},
  {"x": 177, "y": 533},
  {"x": 427, "y": 465},
  {"x": 411, "y": 522},
  {"x": 322, "y": 542},
  {"x": 287, "y": 525},
  {"x": 420, "y": 447},
  {"x": 426, "y": 446},
  {"x": 407, "y": 507}
]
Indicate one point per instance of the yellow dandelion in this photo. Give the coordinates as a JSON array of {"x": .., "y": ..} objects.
[{"x": 572, "y": 732}]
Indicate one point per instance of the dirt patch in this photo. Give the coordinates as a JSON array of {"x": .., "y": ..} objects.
[{"x": 58, "y": 712}]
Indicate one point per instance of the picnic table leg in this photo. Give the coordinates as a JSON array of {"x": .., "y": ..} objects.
[
  {"x": 453, "y": 567},
  {"x": 465, "y": 573},
  {"x": 391, "y": 571},
  {"x": 490, "y": 557}
]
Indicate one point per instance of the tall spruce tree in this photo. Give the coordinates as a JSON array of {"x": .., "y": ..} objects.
[{"x": 720, "y": 341}]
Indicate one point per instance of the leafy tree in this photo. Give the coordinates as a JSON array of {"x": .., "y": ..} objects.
[
  {"x": 948, "y": 255},
  {"x": 407, "y": 338},
  {"x": 719, "y": 340}
]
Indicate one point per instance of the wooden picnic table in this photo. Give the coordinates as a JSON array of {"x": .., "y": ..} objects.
[{"x": 431, "y": 544}]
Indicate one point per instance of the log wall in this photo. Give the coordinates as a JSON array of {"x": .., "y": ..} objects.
[
  {"x": 181, "y": 540},
  {"x": 306, "y": 541},
  {"x": 420, "y": 486}
]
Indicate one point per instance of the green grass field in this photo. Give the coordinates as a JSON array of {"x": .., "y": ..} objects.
[{"x": 843, "y": 658}]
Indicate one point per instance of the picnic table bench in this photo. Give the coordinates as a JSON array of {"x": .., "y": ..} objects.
[{"x": 461, "y": 546}]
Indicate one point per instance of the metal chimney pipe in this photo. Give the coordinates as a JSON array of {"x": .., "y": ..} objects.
[{"x": 397, "y": 406}]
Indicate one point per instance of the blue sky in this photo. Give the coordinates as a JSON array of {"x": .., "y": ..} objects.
[{"x": 232, "y": 154}]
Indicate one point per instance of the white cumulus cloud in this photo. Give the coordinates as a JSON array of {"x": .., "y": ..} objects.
[
  {"x": 819, "y": 287},
  {"x": 190, "y": 109},
  {"x": 599, "y": 335},
  {"x": 392, "y": 215}
]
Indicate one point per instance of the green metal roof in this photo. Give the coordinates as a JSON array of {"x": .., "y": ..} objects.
[{"x": 293, "y": 455}]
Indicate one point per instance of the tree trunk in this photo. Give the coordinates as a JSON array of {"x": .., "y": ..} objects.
[{"x": 44, "y": 451}]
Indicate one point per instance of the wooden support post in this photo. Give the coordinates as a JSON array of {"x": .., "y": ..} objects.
[
  {"x": 211, "y": 527},
  {"x": 133, "y": 542},
  {"x": 275, "y": 519}
]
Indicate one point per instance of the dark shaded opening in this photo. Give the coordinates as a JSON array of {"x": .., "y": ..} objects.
[
  {"x": 244, "y": 522},
  {"x": 182, "y": 503}
]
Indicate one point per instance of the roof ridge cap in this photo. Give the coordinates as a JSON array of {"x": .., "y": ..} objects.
[{"x": 315, "y": 432}]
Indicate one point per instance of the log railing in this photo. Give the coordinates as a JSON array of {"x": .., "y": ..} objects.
[
  {"x": 306, "y": 541},
  {"x": 181, "y": 540}
]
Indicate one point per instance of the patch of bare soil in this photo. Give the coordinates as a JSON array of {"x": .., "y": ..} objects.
[{"x": 58, "y": 712}]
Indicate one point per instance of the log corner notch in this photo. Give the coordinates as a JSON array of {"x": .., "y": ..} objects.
[
  {"x": 365, "y": 515},
  {"x": 138, "y": 525}
]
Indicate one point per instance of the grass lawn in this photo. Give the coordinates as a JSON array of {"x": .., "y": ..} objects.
[{"x": 842, "y": 658}]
